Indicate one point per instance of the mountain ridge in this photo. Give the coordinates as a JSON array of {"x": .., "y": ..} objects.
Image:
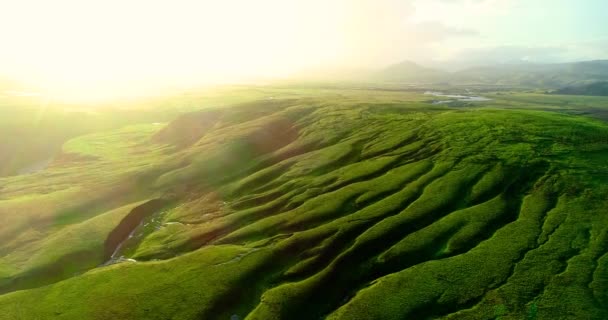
[{"x": 539, "y": 75}]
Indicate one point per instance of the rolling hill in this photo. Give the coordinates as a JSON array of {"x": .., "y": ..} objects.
[{"x": 310, "y": 204}]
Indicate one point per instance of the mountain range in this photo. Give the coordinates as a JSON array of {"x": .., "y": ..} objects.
[
  {"x": 546, "y": 76},
  {"x": 537, "y": 75}
]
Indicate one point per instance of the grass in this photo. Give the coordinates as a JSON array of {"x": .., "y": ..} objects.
[
  {"x": 328, "y": 203},
  {"x": 64, "y": 253}
]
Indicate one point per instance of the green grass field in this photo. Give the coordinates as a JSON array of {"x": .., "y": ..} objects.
[{"x": 316, "y": 203}]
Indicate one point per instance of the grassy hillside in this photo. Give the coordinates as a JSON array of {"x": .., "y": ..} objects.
[
  {"x": 592, "y": 89},
  {"x": 33, "y": 128},
  {"x": 319, "y": 203}
]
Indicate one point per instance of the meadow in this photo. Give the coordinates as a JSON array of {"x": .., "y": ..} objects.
[{"x": 314, "y": 202}]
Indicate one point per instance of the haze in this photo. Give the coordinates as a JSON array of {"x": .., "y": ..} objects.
[{"x": 99, "y": 49}]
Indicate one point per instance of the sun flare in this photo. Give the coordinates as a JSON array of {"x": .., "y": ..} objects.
[{"x": 95, "y": 49}]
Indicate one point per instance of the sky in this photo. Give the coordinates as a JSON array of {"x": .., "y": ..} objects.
[{"x": 111, "y": 47}]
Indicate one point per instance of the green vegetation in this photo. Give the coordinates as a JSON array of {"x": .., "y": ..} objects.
[
  {"x": 308, "y": 203},
  {"x": 599, "y": 88}
]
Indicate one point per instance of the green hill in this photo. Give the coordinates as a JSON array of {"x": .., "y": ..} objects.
[
  {"x": 319, "y": 203},
  {"x": 592, "y": 89}
]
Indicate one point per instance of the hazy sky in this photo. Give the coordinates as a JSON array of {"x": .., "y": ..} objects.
[{"x": 96, "y": 47}]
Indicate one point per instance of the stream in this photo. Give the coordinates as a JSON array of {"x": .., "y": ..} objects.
[{"x": 128, "y": 246}]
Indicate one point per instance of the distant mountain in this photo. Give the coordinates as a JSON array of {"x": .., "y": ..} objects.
[
  {"x": 552, "y": 76},
  {"x": 408, "y": 71},
  {"x": 536, "y": 75},
  {"x": 592, "y": 89}
]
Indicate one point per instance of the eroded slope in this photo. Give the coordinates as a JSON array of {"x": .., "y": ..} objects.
[{"x": 303, "y": 209}]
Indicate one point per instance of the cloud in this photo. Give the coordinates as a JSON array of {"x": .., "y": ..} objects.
[
  {"x": 434, "y": 31},
  {"x": 382, "y": 32},
  {"x": 459, "y": 12},
  {"x": 511, "y": 54}
]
